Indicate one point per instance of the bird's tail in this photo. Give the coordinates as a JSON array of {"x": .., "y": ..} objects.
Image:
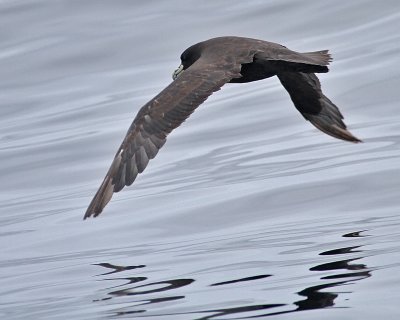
[{"x": 318, "y": 57}]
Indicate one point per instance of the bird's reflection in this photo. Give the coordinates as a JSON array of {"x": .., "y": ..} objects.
[
  {"x": 319, "y": 296},
  {"x": 315, "y": 299},
  {"x": 114, "y": 268}
]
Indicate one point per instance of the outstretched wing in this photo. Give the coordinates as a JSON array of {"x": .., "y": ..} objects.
[
  {"x": 306, "y": 94},
  {"x": 155, "y": 120}
]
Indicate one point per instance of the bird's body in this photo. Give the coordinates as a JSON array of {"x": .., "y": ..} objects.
[{"x": 205, "y": 68}]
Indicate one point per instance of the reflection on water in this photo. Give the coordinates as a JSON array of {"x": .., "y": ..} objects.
[
  {"x": 316, "y": 296},
  {"x": 115, "y": 269},
  {"x": 148, "y": 288},
  {"x": 241, "y": 280}
]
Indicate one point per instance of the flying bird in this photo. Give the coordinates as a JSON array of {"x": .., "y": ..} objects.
[{"x": 205, "y": 68}]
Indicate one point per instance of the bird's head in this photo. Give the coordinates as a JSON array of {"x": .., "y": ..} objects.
[{"x": 188, "y": 57}]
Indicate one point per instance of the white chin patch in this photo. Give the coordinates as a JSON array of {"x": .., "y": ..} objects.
[{"x": 177, "y": 72}]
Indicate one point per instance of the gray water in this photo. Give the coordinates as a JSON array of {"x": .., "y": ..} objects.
[{"x": 247, "y": 212}]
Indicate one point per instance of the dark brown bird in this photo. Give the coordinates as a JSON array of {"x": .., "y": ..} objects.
[{"x": 205, "y": 68}]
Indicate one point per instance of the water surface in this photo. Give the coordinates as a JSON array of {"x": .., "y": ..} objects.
[{"x": 248, "y": 212}]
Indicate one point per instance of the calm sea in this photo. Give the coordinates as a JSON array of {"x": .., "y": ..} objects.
[{"x": 247, "y": 212}]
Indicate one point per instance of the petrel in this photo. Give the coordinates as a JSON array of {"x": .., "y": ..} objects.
[{"x": 205, "y": 68}]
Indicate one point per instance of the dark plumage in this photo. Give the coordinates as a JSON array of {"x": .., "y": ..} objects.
[{"x": 205, "y": 68}]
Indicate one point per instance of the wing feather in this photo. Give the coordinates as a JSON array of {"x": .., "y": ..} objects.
[
  {"x": 306, "y": 94},
  {"x": 155, "y": 120}
]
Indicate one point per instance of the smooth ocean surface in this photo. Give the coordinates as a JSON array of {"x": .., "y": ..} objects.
[{"x": 248, "y": 212}]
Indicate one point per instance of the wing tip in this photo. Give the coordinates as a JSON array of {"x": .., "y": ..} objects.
[
  {"x": 100, "y": 200},
  {"x": 90, "y": 213},
  {"x": 346, "y": 135},
  {"x": 94, "y": 209},
  {"x": 106, "y": 190},
  {"x": 334, "y": 130}
]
